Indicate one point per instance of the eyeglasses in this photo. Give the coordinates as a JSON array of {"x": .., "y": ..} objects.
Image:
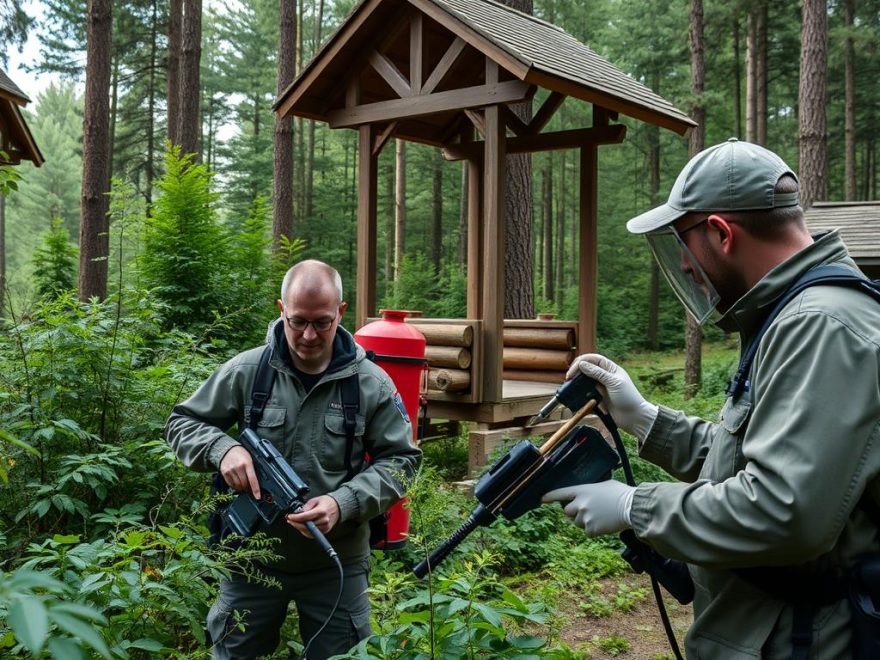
[
  {"x": 685, "y": 231},
  {"x": 300, "y": 325}
]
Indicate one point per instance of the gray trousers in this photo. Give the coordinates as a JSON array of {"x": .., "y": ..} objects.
[{"x": 262, "y": 611}]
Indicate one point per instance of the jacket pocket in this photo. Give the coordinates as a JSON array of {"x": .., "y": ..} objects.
[
  {"x": 735, "y": 414},
  {"x": 271, "y": 426},
  {"x": 332, "y": 455}
]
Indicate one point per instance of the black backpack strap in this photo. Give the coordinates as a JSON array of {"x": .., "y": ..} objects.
[
  {"x": 262, "y": 388},
  {"x": 350, "y": 391},
  {"x": 825, "y": 274}
]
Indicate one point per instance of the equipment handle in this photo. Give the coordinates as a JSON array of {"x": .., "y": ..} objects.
[
  {"x": 480, "y": 516},
  {"x": 568, "y": 426}
]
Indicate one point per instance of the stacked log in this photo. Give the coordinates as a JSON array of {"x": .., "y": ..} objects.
[
  {"x": 537, "y": 353},
  {"x": 448, "y": 352}
]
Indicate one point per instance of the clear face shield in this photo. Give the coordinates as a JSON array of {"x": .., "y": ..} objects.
[{"x": 683, "y": 273}]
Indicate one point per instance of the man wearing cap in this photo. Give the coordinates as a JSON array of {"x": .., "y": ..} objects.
[{"x": 776, "y": 494}]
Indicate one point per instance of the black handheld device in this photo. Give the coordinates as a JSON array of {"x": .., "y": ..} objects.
[{"x": 282, "y": 491}]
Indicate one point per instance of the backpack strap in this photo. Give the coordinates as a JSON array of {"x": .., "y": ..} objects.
[
  {"x": 262, "y": 388},
  {"x": 350, "y": 392},
  {"x": 834, "y": 274}
]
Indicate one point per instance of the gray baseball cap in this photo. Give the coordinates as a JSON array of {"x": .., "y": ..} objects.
[{"x": 731, "y": 176}]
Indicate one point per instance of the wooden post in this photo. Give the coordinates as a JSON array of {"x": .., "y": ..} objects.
[
  {"x": 588, "y": 243},
  {"x": 366, "y": 230},
  {"x": 493, "y": 245}
]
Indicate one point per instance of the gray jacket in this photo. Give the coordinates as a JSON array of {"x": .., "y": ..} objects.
[
  {"x": 308, "y": 430},
  {"x": 777, "y": 479}
]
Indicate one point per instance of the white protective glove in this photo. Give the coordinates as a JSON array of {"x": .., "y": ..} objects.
[
  {"x": 620, "y": 398},
  {"x": 600, "y": 508}
]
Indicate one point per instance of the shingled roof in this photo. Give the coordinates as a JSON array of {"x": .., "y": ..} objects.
[
  {"x": 859, "y": 225},
  {"x": 548, "y": 49},
  {"x": 15, "y": 136},
  {"x": 526, "y": 48}
]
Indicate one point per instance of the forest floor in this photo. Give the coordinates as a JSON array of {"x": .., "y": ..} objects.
[{"x": 636, "y": 633}]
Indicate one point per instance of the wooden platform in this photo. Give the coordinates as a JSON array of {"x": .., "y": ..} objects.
[{"x": 520, "y": 400}]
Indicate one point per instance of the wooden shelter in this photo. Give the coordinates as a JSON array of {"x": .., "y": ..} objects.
[
  {"x": 16, "y": 140},
  {"x": 859, "y": 225},
  {"x": 437, "y": 72}
]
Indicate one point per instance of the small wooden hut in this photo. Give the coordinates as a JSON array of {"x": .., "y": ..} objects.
[
  {"x": 445, "y": 73},
  {"x": 859, "y": 225},
  {"x": 16, "y": 140}
]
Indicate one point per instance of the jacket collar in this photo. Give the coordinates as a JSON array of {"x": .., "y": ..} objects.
[
  {"x": 346, "y": 352},
  {"x": 747, "y": 313}
]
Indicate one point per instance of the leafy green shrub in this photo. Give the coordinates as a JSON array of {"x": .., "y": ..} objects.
[
  {"x": 154, "y": 584},
  {"x": 35, "y": 612},
  {"x": 462, "y": 614}
]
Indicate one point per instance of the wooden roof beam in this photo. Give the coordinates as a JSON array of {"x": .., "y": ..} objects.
[
  {"x": 450, "y": 57},
  {"x": 573, "y": 139},
  {"x": 514, "y": 123},
  {"x": 419, "y": 106},
  {"x": 390, "y": 74},
  {"x": 545, "y": 112}
]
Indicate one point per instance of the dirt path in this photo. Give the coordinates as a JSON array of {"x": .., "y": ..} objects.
[{"x": 600, "y": 627}]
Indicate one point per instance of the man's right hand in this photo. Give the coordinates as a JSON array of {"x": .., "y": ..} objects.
[
  {"x": 237, "y": 468},
  {"x": 622, "y": 399}
]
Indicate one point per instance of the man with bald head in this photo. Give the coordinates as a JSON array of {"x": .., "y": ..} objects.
[{"x": 312, "y": 356}]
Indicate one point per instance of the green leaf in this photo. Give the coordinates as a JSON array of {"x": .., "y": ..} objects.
[
  {"x": 81, "y": 629},
  {"x": 63, "y": 648},
  {"x": 145, "y": 644},
  {"x": 80, "y": 610},
  {"x": 24, "y": 579},
  {"x": 7, "y": 437},
  {"x": 28, "y": 620},
  {"x": 172, "y": 532},
  {"x": 67, "y": 539}
]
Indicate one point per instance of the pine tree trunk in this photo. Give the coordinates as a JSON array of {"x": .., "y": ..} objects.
[
  {"x": 282, "y": 176},
  {"x": 519, "y": 264},
  {"x": 151, "y": 105},
  {"x": 761, "y": 76},
  {"x": 751, "y": 76},
  {"x": 94, "y": 201},
  {"x": 654, "y": 184},
  {"x": 561, "y": 212},
  {"x": 437, "y": 213},
  {"x": 693, "y": 335},
  {"x": 189, "y": 124},
  {"x": 175, "y": 44},
  {"x": 310, "y": 157},
  {"x": 737, "y": 77},
  {"x": 849, "y": 173},
  {"x": 389, "y": 229},
  {"x": 399, "y": 207},
  {"x": 811, "y": 102},
  {"x": 548, "y": 231}
]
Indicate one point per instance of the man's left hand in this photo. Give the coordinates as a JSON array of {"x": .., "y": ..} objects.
[
  {"x": 322, "y": 510},
  {"x": 600, "y": 508}
]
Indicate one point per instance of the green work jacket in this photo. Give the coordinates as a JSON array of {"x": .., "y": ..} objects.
[
  {"x": 777, "y": 479},
  {"x": 308, "y": 430}
]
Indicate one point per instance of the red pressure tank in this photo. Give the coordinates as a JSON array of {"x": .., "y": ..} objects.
[{"x": 399, "y": 349}]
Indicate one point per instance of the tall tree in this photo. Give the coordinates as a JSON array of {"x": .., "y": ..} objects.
[
  {"x": 399, "y": 207},
  {"x": 14, "y": 23},
  {"x": 437, "y": 211},
  {"x": 693, "y": 335},
  {"x": 282, "y": 175},
  {"x": 94, "y": 202},
  {"x": 849, "y": 131},
  {"x": 189, "y": 121},
  {"x": 519, "y": 297},
  {"x": 811, "y": 102},
  {"x": 172, "y": 79}
]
